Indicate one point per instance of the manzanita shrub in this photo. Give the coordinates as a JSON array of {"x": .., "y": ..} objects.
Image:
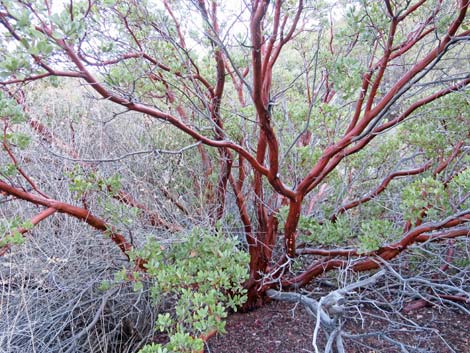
[{"x": 332, "y": 134}]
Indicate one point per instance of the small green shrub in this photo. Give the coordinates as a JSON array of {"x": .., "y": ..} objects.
[
  {"x": 424, "y": 194},
  {"x": 374, "y": 233},
  {"x": 203, "y": 276}
]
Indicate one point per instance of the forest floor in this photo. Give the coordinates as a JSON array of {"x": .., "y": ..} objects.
[{"x": 281, "y": 327}]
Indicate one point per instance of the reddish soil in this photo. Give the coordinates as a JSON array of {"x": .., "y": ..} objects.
[{"x": 287, "y": 328}]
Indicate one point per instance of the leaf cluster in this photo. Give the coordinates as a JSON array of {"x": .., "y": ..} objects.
[
  {"x": 10, "y": 231},
  {"x": 203, "y": 275}
]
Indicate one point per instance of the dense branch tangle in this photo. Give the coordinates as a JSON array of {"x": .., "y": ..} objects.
[{"x": 231, "y": 79}]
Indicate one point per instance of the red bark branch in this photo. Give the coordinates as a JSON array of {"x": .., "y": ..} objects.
[
  {"x": 381, "y": 188},
  {"x": 137, "y": 107},
  {"x": 370, "y": 261},
  {"x": 34, "y": 221},
  {"x": 74, "y": 211}
]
